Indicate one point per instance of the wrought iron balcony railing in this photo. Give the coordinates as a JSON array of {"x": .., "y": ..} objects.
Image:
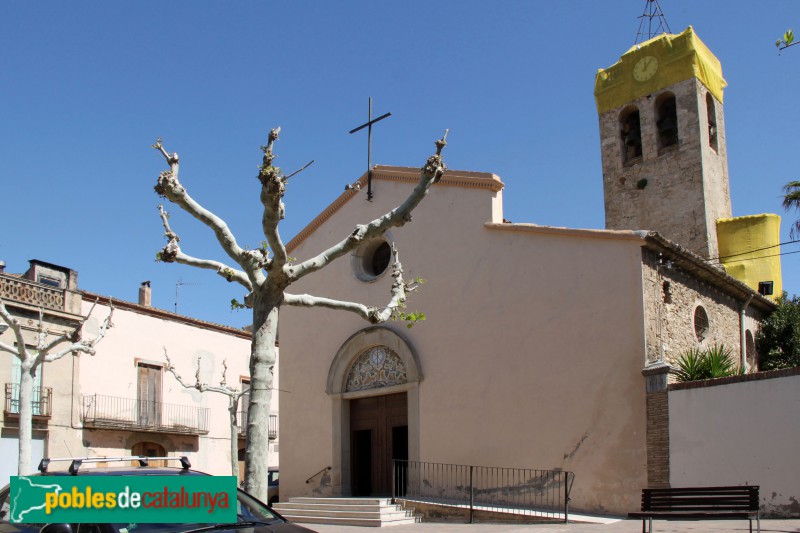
[
  {"x": 27, "y": 292},
  {"x": 111, "y": 412},
  {"x": 241, "y": 423},
  {"x": 41, "y": 400}
]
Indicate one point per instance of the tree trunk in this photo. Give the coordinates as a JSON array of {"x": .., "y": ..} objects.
[
  {"x": 262, "y": 364},
  {"x": 25, "y": 423},
  {"x": 233, "y": 405}
]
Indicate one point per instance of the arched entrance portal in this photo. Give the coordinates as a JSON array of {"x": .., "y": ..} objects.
[{"x": 374, "y": 385}]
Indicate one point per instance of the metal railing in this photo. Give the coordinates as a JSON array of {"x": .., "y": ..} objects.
[
  {"x": 241, "y": 424},
  {"x": 41, "y": 400},
  {"x": 543, "y": 494},
  {"x": 26, "y": 291},
  {"x": 111, "y": 412}
]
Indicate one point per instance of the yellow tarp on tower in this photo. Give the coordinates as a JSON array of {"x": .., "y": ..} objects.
[
  {"x": 748, "y": 249},
  {"x": 679, "y": 57}
]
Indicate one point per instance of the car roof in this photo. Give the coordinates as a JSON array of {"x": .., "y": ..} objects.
[{"x": 126, "y": 471}]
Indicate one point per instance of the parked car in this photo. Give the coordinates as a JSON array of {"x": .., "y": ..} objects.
[
  {"x": 273, "y": 494},
  {"x": 253, "y": 515}
]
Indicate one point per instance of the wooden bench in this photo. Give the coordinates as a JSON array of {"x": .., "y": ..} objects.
[{"x": 699, "y": 503}]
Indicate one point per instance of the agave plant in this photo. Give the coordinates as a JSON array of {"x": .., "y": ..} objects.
[
  {"x": 719, "y": 362},
  {"x": 714, "y": 362},
  {"x": 691, "y": 366}
]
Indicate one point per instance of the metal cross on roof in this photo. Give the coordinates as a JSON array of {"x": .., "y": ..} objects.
[{"x": 368, "y": 124}]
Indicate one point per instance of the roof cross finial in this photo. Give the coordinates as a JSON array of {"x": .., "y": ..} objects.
[{"x": 368, "y": 124}]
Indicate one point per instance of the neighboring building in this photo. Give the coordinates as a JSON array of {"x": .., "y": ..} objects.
[
  {"x": 122, "y": 401},
  {"x": 537, "y": 338},
  {"x": 53, "y": 291}
]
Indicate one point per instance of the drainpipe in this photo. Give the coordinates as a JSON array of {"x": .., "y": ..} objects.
[{"x": 743, "y": 333}]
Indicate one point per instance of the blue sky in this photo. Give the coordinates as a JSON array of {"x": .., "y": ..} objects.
[{"x": 86, "y": 87}]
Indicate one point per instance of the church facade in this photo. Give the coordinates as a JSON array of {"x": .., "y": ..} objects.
[{"x": 540, "y": 345}]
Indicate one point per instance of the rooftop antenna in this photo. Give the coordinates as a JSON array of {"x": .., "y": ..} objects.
[
  {"x": 652, "y": 10},
  {"x": 368, "y": 124},
  {"x": 178, "y": 284}
]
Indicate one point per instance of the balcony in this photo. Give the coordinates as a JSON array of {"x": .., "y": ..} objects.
[
  {"x": 14, "y": 289},
  {"x": 241, "y": 423},
  {"x": 110, "y": 412},
  {"x": 41, "y": 401}
]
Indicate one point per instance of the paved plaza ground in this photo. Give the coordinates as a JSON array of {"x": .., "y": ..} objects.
[{"x": 622, "y": 526}]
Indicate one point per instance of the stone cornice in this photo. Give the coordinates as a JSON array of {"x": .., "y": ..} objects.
[
  {"x": 451, "y": 178},
  {"x": 625, "y": 235}
]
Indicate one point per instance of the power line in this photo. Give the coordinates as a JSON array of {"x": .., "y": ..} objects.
[
  {"x": 754, "y": 250},
  {"x": 764, "y": 256}
]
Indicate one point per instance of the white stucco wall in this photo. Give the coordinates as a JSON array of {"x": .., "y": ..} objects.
[
  {"x": 531, "y": 353},
  {"x": 141, "y": 337},
  {"x": 742, "y": 433}
]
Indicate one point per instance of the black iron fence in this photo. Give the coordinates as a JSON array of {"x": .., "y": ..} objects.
[
  {"x": 241, "y": 423},
  {"x": 143, "y": 415},
  {"x": 522, "y": 491},
  {"x": 41, "y": 400}
]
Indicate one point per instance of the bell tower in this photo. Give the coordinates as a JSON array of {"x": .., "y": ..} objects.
[{"x": 662, "y": 133}]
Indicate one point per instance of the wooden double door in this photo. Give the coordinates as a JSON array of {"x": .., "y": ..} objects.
[{"x": 378, "y": 434}]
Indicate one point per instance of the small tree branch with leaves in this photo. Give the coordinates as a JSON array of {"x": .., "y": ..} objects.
[
  {"x": 46, "y": 349},
  {"x": 786, "y": 40},
  {"x": 266, "y": 272}
]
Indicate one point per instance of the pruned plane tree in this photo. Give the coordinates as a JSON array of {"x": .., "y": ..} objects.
[
  {"x": 267, "y": 272},
  {"x": 46, "y": 348}
]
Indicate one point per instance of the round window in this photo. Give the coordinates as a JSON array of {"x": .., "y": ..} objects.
[
  {"x": 700, "y": 323},
  {"x": 372, "y": 259}
]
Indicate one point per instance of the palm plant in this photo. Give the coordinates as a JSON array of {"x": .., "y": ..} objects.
[{"x": 791, "y": 200}]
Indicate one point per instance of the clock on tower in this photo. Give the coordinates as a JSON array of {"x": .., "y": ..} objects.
[{"x": 663, "y": 141}]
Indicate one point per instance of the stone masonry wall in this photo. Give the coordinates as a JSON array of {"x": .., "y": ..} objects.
[
  {"x": 669, "y": 319},
  {"x": 680, "y": 190}
]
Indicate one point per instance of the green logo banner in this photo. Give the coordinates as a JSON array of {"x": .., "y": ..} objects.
[{"x": 123, "y": 499}]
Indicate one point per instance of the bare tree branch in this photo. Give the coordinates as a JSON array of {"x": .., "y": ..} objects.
[
  {"x": 373, "y": 314},
  {"x": 307, "y": 300},
  {"x": 203, "y": 387},
  {"x": 84, "y": 346},
  {"x": 29, "y": 362},
  {"x": 15, "y": 326},
  {"x": 232, "y": 393},
  {"x": 172, "y": 253},
  {"x": 429, "y": 174},
  {"x": 273, "y": 187},
  {"x": 298, "y": 171},
  {"x": 7, "y": 348},
  {"x": 169, "y": 187}
]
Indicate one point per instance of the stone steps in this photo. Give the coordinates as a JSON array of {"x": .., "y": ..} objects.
[{"x": 367, "y": 512}]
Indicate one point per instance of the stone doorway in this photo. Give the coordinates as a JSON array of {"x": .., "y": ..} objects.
[
  {"x": 376, "y": 369},
  {"x": 378, "y": 434}
]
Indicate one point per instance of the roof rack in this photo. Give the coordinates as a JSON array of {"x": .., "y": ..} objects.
[{"x": 76, "y": 462}]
